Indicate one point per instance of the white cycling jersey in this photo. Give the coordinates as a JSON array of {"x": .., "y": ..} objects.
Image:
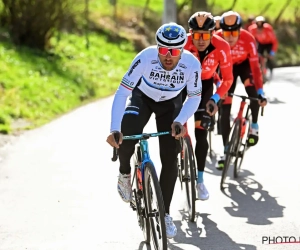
[{"x": 159, "y": 84}]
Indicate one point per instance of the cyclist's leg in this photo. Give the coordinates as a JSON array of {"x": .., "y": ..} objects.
[
  {"x": 270, "y": 62},
  {"x": 136, "y": 116},
  {"x": 225, "y": 118},
  {"x": 201, "y": 148},
  {"x": 260, "y": 51},
  {"x": 165, "y": 113},
  {"x": 246, "y": 77},
  {"x": 226, "y": 107}
]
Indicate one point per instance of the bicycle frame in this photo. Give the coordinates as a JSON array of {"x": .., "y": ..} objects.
[
  {"x": 187, "y": 133},
  {"x": 144, "y": 147},
  {"x": 242, "y": 118}
]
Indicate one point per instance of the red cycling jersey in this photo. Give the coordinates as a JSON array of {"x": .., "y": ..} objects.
[
  {"x": 265, "y": 35},
  {"x": 220, "y": 55},
  {"x": 217, "y": 78},
  {"x": 244, "y": 49}
]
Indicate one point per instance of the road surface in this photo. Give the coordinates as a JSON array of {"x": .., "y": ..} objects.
[{"x": 58, "y": 185}]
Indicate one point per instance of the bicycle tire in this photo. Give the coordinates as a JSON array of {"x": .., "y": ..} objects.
[
  {"x": 210, "y": 144},
  {"x": 190, "y": 180},
  {"x": 234, "y": 132},
  {"x": 159, "y": 223},
  {"x": 143, "y": 220},
  {"x": 241, "y": 153},
  {"x": 139, "y": 197},
  {"x": 179, "y": 164}
]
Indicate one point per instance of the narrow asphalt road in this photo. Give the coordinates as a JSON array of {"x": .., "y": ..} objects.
[{"x": 58, "y": 185}]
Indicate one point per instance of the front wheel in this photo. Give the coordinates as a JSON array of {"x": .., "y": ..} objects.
[
  {"x": 242, "y": 148},
  {"x": 190, "y": 178},
  {"x": 231, "y": 149},
  {"x": 140, "y": 205},
  {"x": 155, "y": 208}
]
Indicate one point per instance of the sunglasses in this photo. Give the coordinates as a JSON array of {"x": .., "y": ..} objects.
[
  {"x": 233, "y": 33},
  {"x": 173, "y": 52},
  {"x": 205, "y": 36}
]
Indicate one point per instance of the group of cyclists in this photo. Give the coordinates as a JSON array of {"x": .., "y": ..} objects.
[{"x": 175, "y": 79}]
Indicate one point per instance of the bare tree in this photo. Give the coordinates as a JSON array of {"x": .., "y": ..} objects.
[
  {"x": 282, "y": 11},
  {"x": 170, "y": 12},
  {"x": 265, "y": 9},
  {"x": 199, "y": 5},
  {"x": 33, "y": 22}
]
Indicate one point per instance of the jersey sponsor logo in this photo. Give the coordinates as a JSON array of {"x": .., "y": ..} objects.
[
  {"x": 182, "y": 65},
  {"x": 224, "y": 55},
  {"x": 209, "y": 62},
  {"x": 174, "y": 78},
  {"x": 237, "y": 53},
  {"x": 154, "y": 61},
  {"x": 253, "y": 48},
  {"x": 225, "y": 65},
  {"x": 196, "y": 78},
  {"x": 134, "y": 66}
]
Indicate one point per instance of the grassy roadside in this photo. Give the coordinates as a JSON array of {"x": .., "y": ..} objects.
[
  {"x": 36, "y": 87},
  {"x": 248, "y": 7}
]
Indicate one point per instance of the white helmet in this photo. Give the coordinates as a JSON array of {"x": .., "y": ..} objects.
[
  {"x": 260, "y": 19},
  {"x": 171, "y": 35}
]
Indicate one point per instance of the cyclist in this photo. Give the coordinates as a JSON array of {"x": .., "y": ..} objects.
[
  {"x": 217, "y": 80},
  {"x": 266, "y": 39},
  {"x": 250, "y": 21},
  {"x": 212, "y": 51},
  {"x": 246, "y": 66},
  {"x": 155, "y": 79},
  {"x": 217, "y": 20}
]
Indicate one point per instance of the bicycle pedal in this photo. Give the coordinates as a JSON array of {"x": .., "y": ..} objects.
[
  {"x": 133, "y": 206},
  {"x": 186, "y": 179},
  {"x": 153, "y": 214}
]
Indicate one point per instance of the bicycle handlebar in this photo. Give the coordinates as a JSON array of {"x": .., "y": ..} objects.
[
  {"x": 115, "y": 150},
  {"x": 143, "y": 136},
  {"x": 248, "y": 98}
]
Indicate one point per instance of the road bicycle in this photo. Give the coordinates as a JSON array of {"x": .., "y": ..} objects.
[
  {"x": 266, "y": 63},
  {"x": 236, "y": 145},
  {"x": 216, "y": 124},
  {"x": 146, "y": 189},
  {"x": 187, "y": 170},
  {"x": 187, "y": 173}
]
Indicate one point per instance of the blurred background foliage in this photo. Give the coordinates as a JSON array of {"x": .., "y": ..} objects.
[{"x": 59, "y": 54}]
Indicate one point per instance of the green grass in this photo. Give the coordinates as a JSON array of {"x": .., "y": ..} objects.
[
  {"x": 246, "y": 7},
  {"x": 36, "y": 87},
  {"x": 254, "y": 7}
]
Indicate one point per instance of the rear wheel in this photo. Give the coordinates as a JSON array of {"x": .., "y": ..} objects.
[
  {"x": 231, "y": 149},
  {"x": 155, "y": 207}
]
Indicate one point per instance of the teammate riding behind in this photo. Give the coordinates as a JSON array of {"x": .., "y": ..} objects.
[
  {"x": 212, "y": 51},
  {"x": 267, "y": 41},
  {"x": 246, "y": 66}
]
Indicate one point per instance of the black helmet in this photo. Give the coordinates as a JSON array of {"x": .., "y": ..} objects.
[
  {"x": 202, "y": 20},
  {"x": 231, "y": 20}
]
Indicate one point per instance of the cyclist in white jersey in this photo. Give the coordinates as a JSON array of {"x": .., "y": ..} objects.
[{"x": 155, "y": 79}]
